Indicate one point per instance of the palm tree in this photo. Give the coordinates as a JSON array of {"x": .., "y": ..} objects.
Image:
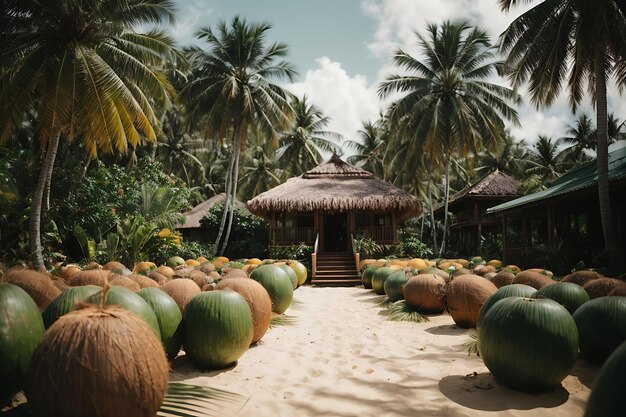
[
  {"x": 448, "y": 107},
  {"x": 581, "y": 136},
  {"x": 509, "y": 160},
  {"x": 545, "y": 161},
  {"x": 88, "y": 74},
  {"x": 301, "y": 146},
  {"x": 230, "y": 91},
  {"x": 370, "y": 149},
  {"x": 579, "y": 41}
]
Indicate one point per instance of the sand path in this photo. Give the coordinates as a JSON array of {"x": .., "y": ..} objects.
[{"x": 342, "y": 357}]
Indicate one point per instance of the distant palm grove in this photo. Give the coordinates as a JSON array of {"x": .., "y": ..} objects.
[{"x": 109, "y": 130}]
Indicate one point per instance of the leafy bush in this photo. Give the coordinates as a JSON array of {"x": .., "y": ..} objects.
[
  {"x": 412, "y": 247},
  {"x": 249, "y": 235},
  {"x": 366, "y": 247},
  {"x": 300, "y": 252}
]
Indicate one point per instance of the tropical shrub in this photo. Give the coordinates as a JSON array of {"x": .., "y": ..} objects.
[
  {"x": 412, "y": 247},
  {"x": 249, "y": 235}
]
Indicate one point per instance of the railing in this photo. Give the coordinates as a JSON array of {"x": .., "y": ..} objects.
[
  {"x": 356, "y": 254},
  {"x": 469, "y": 215},
  {"x": 314, "y": 256},
  {"x": 378, "y": 233},
  {"x": 286, "y": 235}
]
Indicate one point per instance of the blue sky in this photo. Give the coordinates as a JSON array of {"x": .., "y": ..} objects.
[{"x": 342, "y": 49}]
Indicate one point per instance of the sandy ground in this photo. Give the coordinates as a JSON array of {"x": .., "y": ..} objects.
[{"x": 342, "y": 357}]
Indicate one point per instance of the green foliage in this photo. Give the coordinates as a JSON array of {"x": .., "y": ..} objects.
[
  {"x": 186, "y": 250},
  {"x": 300, "y": 252},
  {"x": 366, "y": 247},
  {"x": 249, "y": 235},
  {"x": 491, "y": 246},
  {"x": 412, "y": 247}
]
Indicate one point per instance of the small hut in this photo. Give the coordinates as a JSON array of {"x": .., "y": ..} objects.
[
  {"x": 191, "y": 229},
  {"x": 330, "y": 204},
  {"x": 469, "y": 206}
]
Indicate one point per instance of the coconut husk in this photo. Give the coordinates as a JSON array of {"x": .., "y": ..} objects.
[
  {"x": 601, "y": 287},
  {"x": 481, "y": 270},
  {"x": 425, "y": 293},
  {"x": 113, "y": 266},
  {"x": 490, "y": 275},
  {"x": 258, "y": 300},
  {"x": 61, "y": 284},
  {"x": 37, "y": 284},
  {"x": 532, "y": 278},
  {"x": 93, "y": 265},
  {"x": 182, "y": 290},
  {"x": 207, "y": 267},
  {"x": 166, "y": 271},
  {"x": 542, "y": 271},
  {"x": 461, "y": 271},
  {"x": 214, "y": 276},
  {"x": 503, "y": 278},
  {"x": 209, "y": 287},
  {"x": 581, "y": 277},
  {"x": 143, "y": 281},
  {"x": 144, "y": 266},
  {"x": 69, "y": 271},
  {"x": 97, "y": 277},
  {"x": 122, "y": 281},
  {"x": 98, "y": 362},
  {"x": 436, "y": 271},
  {"x": 158, "y": 277},
  {"x": 235, "y": 273},
  {"x": 199, "y": 277},
  {"x": 182, "y": 271},
  {"x": 619, "y": 291},
  {"x": 465, "y": 295}
]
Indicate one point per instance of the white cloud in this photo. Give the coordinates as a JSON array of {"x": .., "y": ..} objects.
[{"x": 347, "y": 100}]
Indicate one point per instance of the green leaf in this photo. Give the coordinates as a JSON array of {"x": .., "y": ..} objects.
[
  {"x": 399, "y": 311},
  {"x": 186, "y": 400}
]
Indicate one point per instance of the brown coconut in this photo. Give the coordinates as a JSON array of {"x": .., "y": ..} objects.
[
  {"x": 143, "y": 281},
  {"x": 425, "y": 293},
  {"x": 182, "y": 290},
  {"x": 484, "y": 269},
  {"x": 490, "y": 275},
  {"x": 235, "y": 273},
  {"x": 98, "y": 362},
  {"x": 258, "y": 299},
  {"x": 61, "y": 284},
  {"x": 122, "y": 281},
  {"x": 97, "y": 277},
  {"x": 460, "y": 271},
  {"x": 209, "y": 287},
  {"x": 165, "y": 270},
  {"x": 503, "y": 278},
  {"x": 158, "y": 277},
  {"x": 465, "y": 295},
  {"x": 532, "y": 278},
  {"x": 199, "y": 277},
  {"x": 619, "y": 291},
  {"x": 542, "y": 271},
  {"x": 37, "y": 284},
  {"x": 207, "y": 267},
  {"x": 436, "y": 271},
  {"x": 602, "y": 286},
  {"x": 113, "y": 266},
  {"x": 581, "y": 277},
  {"x": 69, "y": 271}
]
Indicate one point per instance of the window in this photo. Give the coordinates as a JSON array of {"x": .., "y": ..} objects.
[
  {"x": 514, "y": 231},
  {"x": 382, "y": 220},
  {"x": 538, "y": 231}
]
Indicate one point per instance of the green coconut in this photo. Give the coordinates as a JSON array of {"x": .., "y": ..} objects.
[
  {"x": 394, "y": 285},
  {"x": 217, "y": 329},
  {"x": 168, "y": 317},
  {"x": 569, "y": 295},
  {"x": 528, "y": 344},
  {"x": 366, "y": 276},
  {"x": 67, "y": 302},
  {"x": 379, "y": 277},
  {"x": 277, "y": 284},
  {"x": 601, "y": 323},
  {"x": 291, "y": 274},
  {"x": 175, "y": 261},
  {"x": 607, "y": 396},
  {"x": 300, "y": 271},
  {"x": 96, "y": 361},
  {"x": 21, "y": 330},
  {"x": 127, "y": 299},
  {"x": 513, "y": 290}
]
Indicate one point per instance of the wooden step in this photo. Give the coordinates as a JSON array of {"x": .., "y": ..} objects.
[{"x": 336, "y": 282}]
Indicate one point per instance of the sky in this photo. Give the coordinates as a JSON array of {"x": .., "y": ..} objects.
[{"x": 342, "y": 50}]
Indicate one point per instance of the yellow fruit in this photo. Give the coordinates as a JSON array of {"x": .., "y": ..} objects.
[
  {"x": 254, "y": 261},
  {"x": 222, "y": 259},
  {"x": 202, "y": 260},
  {"x": 192, "y": 263},
  {"x": 495, "y": 263},
  {"x": 143, "y": 266},
  {"x": 418, "y": 263}
]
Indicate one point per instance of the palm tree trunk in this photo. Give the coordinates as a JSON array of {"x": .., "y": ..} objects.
[
  {"x": 34, "y": 230},
  {"x": 234, "y": 195},
  {"x": 603, "y": 151},
  {"x": 445, "y": 206},
  {"x": 432, "y": 218},
  {"x": 228, "y": 193}
]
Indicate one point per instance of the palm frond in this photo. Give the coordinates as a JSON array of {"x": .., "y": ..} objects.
[
  {"x": 282, "y": 320},
  {"x": 471, "y": 346},
  {"x": 399, "y": 311},
  {"x": 185, "y": 400}
]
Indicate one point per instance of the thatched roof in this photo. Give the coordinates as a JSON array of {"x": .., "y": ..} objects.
[
  {"x": 335, "y": 186},
  {"x": 496, "y": 184},
  {"x": 193, "y": 216}
]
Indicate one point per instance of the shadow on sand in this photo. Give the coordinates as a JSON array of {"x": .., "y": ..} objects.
[
  {"x": 482, "y": 392},
  {"x": 446, "y": 330}
]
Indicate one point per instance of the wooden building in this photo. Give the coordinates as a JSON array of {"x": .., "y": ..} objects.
[
  {"x": 329, "y": 205},
  {"x": 470, "y": 220},
  {"x": 192, "y": 230},
  {"x": 565, "y": 218}
]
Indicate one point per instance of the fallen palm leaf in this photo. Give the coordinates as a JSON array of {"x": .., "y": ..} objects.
[
  {"x": 399, "y": 311},
  {"x": 472, "y": 345},
  {"x": 184, "y": 400},
  {"x": 282, "y": 320}
]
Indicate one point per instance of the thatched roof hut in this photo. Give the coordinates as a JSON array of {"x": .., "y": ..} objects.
[
  {"x": 193, "y": 216},
  {"x": 335, "y": 186}
]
